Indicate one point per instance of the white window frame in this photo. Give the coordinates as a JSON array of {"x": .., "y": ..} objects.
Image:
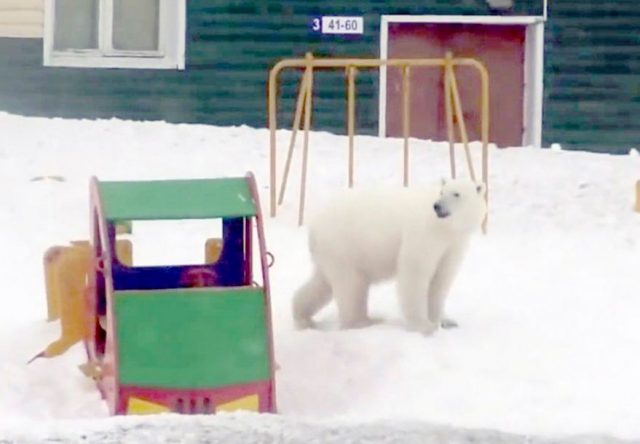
[
  {"x": 171, "y": 41},
  {"x": 533, "y": 64}
]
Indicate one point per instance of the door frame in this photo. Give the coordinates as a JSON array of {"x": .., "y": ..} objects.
[{"x": 533, "y": 64}]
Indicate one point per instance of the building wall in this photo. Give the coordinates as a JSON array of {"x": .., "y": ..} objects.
[
  {"x": 592, "y": 59},
  {"x": 21, "y": 18},
  {"x": 592, "y": 75},
  {"x": 230, "y": 47}
]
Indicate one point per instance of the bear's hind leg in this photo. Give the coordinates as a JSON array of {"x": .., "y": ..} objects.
[
  {"x": 310, "y": 299},
  {"x": 351, "y": 292}
]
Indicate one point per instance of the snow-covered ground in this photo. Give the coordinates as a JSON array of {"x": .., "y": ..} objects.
[{"x": 548, "y": 301}]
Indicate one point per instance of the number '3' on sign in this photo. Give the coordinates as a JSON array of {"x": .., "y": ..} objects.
[{"x": 338, "y": 25}]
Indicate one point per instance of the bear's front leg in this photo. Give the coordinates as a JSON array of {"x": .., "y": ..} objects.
[
  {"x": 414, "y": 275},
  {"x": 440, "y": 285},
  {"x": 448, "y": 323}
]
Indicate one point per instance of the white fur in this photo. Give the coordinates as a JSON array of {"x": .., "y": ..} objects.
[{"x": 367, "y": 236}]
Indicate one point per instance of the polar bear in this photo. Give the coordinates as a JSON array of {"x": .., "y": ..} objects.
[{"x": 417, "y": 235}]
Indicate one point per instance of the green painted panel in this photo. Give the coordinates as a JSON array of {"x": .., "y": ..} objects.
[
  {"x": 177, "y": 199},
  {"x": 191, "y": 338}
]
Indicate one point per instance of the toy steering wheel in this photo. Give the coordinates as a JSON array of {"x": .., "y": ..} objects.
[{"x": 199, "y": 277}]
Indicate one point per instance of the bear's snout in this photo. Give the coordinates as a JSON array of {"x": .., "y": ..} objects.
[{"x": 440, "y": 210}]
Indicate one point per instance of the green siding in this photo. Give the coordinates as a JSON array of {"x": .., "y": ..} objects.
[
  {"x": 230, "y": 47},
  {"x": 251, "y": 36},
  {"x": 189, "y": 338},
  {"x": 176, "y": 199},
  {"x": 592, "y": 83},
  {"x": 592, "y": 69}
]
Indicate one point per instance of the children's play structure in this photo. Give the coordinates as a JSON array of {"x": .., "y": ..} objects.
[
  {"x": 191, "y": 339},
  {"x": 453, "y": 112}
]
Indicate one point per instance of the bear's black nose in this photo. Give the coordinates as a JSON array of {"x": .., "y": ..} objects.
[{"x": 440, "y": 211}]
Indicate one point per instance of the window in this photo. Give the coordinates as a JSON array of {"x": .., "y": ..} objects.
[
  {"x": 115, "y": 33},
  {"x": 171, "y": 242}
]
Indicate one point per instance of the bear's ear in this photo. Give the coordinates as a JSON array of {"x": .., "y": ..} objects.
[{"x": 481, "y": 188}]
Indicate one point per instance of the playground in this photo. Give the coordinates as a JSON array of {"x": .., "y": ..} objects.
[{"x": 547, "y": 300}]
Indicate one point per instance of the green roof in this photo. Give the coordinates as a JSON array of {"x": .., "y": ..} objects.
[{"x": 176, "y": 199}]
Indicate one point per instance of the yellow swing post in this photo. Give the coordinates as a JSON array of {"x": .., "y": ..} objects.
[{"x": 351, "y": 65}]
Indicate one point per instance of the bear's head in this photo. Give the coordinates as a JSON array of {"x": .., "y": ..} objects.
[{"x": 461, "y": 203}]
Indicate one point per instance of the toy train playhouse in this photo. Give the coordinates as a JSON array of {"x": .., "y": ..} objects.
[{"x": 188, "y": 338}]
